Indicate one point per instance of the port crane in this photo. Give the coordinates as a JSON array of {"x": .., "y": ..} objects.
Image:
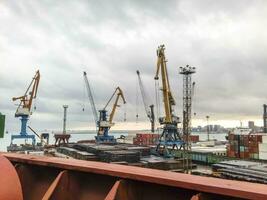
[
  {"x": 103, "y": 122},
  {"x": 170, "y": 136},
  {"x": 24, "y": 108},
  {"x": 148, "y": 108}
]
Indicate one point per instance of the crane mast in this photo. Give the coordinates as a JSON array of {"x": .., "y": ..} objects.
[
  {"x": 148, "y": 108},
  {"x": 91, "y": 98},
  {"x": 24, "y": 108}
]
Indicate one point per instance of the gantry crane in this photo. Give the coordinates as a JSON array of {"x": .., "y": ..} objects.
[
  {"x": 148, "y": 108},
  {"x": 24, "y": 108},
  {"x": 170, "y": 136},
  {"x": 105, "y": 123}
]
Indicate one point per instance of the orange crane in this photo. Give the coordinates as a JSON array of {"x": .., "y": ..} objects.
[{"x": 24, "y": 108}]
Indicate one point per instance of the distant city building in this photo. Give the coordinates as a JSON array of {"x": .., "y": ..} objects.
[
  {"x": 212, "y": 128},
  {"x": 251, "y": 125},
  {"x": 216, "y": 127}
]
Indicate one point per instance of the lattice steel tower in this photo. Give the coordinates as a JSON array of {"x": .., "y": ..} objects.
[{"x": 188, "y": 90}]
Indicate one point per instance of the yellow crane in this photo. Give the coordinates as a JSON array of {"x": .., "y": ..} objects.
[
  {"x": 170, "y": 136},
  {"x": 166, "y": 90}
]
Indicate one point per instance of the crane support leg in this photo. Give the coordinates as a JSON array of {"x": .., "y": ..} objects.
[
  {"x": 23, "y": 132},
  {"x": 169, "y": 140},
  {"x": 103, "y": 132}
]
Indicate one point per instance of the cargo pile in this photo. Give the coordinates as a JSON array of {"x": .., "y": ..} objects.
[
  {"x": 146, "y": 139},
  {"x": 81, "y": 155},
  {"x": 121, "y": 155},
  {"x": 127, "y": 153},
  {"x": 242, "y": 170},
  {"x": 246, "y": 146}
]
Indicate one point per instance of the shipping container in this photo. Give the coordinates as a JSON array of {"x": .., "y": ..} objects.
[
  {"x": 194, "y": 138},
  {"x": 246, "y": 145}
]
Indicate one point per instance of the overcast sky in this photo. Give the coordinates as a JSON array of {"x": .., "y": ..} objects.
[{"x": 224, "y": 40}]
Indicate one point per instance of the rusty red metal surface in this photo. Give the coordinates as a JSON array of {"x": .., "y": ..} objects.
[
  {"x": 59, "y": 178},
  {"x": 10, "y": 187}
]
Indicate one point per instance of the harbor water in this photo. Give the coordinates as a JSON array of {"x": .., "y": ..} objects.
[{"x": 89, "y": 135}]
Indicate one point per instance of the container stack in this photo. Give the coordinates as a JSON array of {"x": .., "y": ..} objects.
[
  {"x": 146, "y": 139},
  {"x": 245, "y": 146}
]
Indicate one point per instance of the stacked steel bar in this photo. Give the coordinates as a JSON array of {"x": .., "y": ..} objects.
[
  {"x": 242, "y": 170},
  {"x": 119, "y": 156},
  {"x": 107, "y": 153}
]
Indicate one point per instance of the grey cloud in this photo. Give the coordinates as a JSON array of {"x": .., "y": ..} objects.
[{"x": 225, "y": 41}]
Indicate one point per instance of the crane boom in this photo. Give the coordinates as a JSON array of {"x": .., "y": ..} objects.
[
  {"x": 115, "y": 105},
  {"x": 149, "y": 109},
  {"x": 91, "y": 98},
  {"x": 167, "y": 94}
]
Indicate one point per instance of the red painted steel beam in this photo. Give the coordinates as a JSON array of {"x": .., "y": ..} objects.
[
  {"x": 112, "y": 193},
  {"x": 197, "y": 183},
  {"x": 54, "y": 185}
]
